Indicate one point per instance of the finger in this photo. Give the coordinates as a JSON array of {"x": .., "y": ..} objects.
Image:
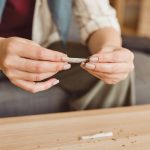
[
  {"x": 118, "y": 76},
  {"x": 23, "y": 40},
  {"x": 111, "y": 68},
  {"x": 34, "y": 66},
  {"x": 29, "y": 49},
  {"x": 95, "y": 74},
  {"x": 27, "y": 76},
  {"x": 123, "y": 55},
  {"x": 91, "y": 71},
  {"x": 35, "y": 87},
  {"x": 43, "y": 54},
  {"x": 110, "y": 79}
]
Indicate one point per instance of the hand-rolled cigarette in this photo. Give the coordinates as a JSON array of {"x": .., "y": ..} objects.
[
  {"x": 97, "y": 136},
  {"x": 75, "y": 60}
]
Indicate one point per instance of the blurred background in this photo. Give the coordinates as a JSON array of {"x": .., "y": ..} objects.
[{"x": 134, "y": 18}]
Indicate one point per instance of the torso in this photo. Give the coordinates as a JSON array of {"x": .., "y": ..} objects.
[{"x": 17, "y": 18}]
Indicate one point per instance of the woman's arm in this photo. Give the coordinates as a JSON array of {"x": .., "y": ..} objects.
[
  {"x": 110, "y": 62},
  {"x": 104, "y": 37},
  {"x": 27, "y": 64}
]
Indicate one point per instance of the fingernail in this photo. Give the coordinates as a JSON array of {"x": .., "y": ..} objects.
[
  {"x": 65, "y": 58},
  {"x": 67, "y": 66},
  {"x": 83, "y": 64},
  {"x": 55, "y": 82},
  {"x": 89, "y": 66},
  {"x": 94, "y": 59}
]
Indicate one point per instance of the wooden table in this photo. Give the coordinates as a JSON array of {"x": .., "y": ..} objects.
[{"x": 131, "y": 128}]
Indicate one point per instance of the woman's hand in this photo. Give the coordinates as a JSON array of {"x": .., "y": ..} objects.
[
  {"x": 111, "y": 64},
  {"x": 26, "y": 63}
]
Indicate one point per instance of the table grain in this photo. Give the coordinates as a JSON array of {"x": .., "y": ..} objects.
[{"x": 61, "y": 131}]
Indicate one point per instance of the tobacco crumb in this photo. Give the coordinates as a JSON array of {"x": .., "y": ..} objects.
[
  {"x": 57, "y": 140},
  {"x": 114, "y": 139},
  {"x": 133, "y": 142},
  {"x": 135, "y": 134},
  {"x": 127, "y": 137}
]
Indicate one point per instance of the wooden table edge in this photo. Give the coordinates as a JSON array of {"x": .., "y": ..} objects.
[{"x": 83, "y": 113}]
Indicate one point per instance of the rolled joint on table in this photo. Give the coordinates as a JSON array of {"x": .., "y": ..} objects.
[{"x": 97, "y": 136}]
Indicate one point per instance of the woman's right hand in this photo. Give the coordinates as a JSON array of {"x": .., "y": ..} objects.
[{"x": 26, "y": 63}]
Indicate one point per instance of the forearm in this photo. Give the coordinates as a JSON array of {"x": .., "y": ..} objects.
[{"x": 104, "y": 37}]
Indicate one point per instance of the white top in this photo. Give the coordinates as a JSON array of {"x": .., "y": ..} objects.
[{"x": 91, "y": 15}]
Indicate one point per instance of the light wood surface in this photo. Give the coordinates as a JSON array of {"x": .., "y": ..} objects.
[{"x": 131, "y": 128}]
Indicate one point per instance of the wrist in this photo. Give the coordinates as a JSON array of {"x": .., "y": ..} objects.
[
  {"x": 104, "y": 37},
  {"x": 107, "y": 48},
  {"x": 110, "y": 47}
]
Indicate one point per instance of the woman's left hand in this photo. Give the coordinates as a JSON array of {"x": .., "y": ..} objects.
[{"x": 111, "y": 64}]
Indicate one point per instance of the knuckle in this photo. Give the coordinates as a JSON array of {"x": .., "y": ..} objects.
[
  {"x": 129, "y": 54},
  {"x": 11, "y": 45},
  {"x": 105, "y": 76},
  {"x": 126, "y": 50},
  {"x": 115, "y": 81},
  {"x": 8, "y": 73},
  {"x": 56, "y": 57},
  {"x": 115, "y": 56},
  {"x": 38, "y": 68},
  {"x": 33, "y": 90},
  {"x": 132, "y": 67},
  {"x": 108, "y": 82},
  {"x": 111, "y": 82},
  {"x": 132, "y": 56},
  {"x": 7, "y": 63},
  {"x": 114, "y": 69},
  {"x": 40, "y": 54},
  {"x": 58, "y": 67}
]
